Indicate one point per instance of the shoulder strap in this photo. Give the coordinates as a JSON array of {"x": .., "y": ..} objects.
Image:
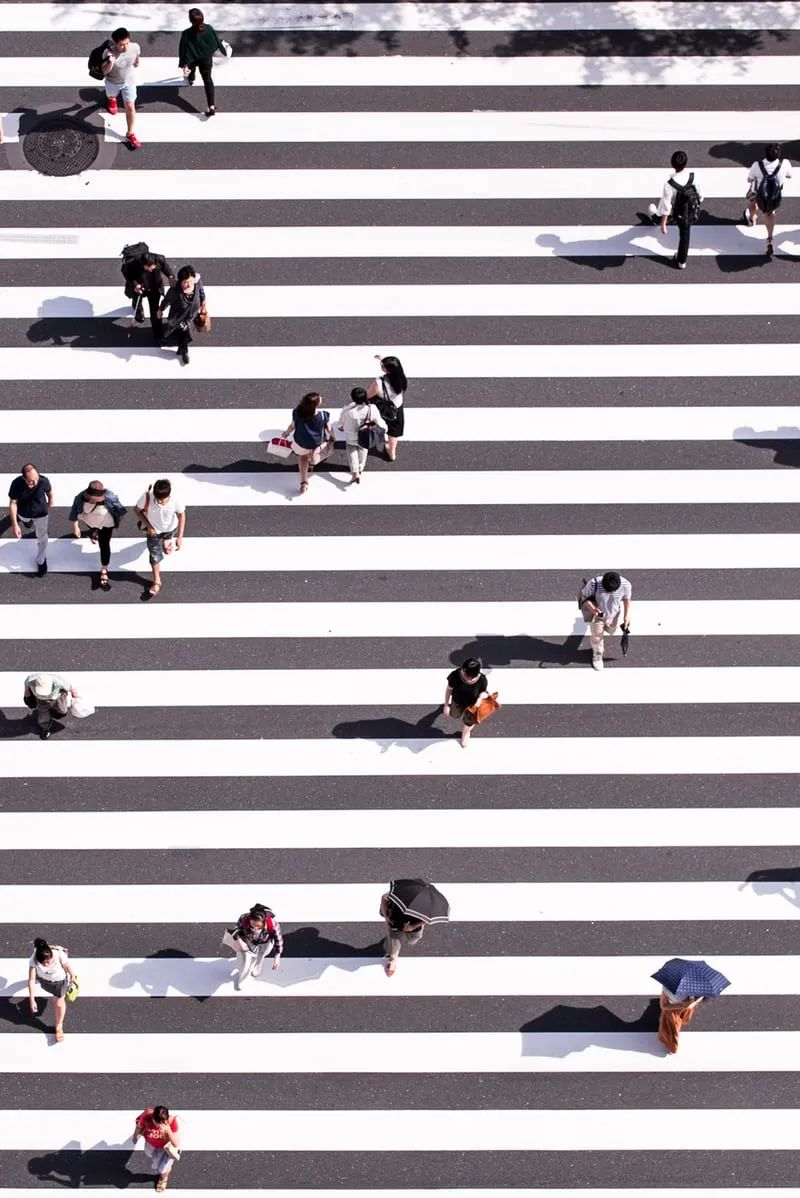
[
  {"x": 675, "y": 186},
  {"x": 691, "y": 179}
]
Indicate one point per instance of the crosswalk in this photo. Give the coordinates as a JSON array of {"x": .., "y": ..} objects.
[{"x": 464, "y": 185}]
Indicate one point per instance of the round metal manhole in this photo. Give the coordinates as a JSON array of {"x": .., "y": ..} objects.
[{"x": 58, "y": 146}]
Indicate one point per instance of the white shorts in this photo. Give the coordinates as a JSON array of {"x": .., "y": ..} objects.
[{"x": 126, "y": 90}]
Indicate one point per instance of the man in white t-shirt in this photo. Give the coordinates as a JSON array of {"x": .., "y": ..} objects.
[
  {"x": 765, "y": 180},
  {"x": 119, "y": 63},
  {"x": 672, "y": 205},
  {"x": 163, "y": 517}
]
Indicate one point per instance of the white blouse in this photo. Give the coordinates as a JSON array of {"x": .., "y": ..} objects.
[
  {"x": 353, "y": 415},
  {"x": 54, "y": 971}
]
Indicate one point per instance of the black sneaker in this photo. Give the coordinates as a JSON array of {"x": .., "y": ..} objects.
[
  {"x": 44, "y": 733},
  {"x": 185, "y": 358},
  {"x": 42, "y": 569}
]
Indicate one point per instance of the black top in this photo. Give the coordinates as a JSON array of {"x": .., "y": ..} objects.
[
  {"x": 31, "y": 501},
  {"x": 466, "y": 693},
  {"x": 398, "y": 919},
  {"x": 150, "y": 280}
]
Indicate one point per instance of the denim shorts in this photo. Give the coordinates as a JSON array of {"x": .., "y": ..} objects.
[
  {"x": 155, "y": 546},
  {"x": 126, "y": 90}
]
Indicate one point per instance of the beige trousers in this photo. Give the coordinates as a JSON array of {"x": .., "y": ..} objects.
[{"x": 598, "y": 627}]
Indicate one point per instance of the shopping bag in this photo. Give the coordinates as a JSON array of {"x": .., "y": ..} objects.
[
  {"x": 229, "y": 942},
  {"x": 73, "y": 991},
  {"x": 486, "y": 707},
  {"x": 223, "y": 53},
  {"x": 81, "y": 708},
  {"x": 279, "y": 447}
]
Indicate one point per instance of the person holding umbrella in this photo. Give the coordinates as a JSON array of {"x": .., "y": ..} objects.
[
  {"x": 684, "y": 986},
  {"x": 408, "y": 905}
]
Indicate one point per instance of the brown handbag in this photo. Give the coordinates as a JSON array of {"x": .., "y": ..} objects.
[
  {"x": 482, "y": 710},
  {"x": 202, "y": 321}
]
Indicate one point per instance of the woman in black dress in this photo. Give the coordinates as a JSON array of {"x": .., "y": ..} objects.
[
  {"x": 465, "y": 686},
  {"x": 388, "y": 390}
]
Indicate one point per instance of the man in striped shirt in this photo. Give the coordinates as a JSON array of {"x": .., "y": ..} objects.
[{"x": 601, "y": 599}]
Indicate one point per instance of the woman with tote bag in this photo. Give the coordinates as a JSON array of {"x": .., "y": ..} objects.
[
  {"x": 312, "y": 435},
  {"x": 363, "y": 428}
]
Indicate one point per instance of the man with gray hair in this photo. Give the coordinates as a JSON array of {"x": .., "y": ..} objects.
[
  {"x": 49, "y": 695},
  {"x": 601, "y": 599},
  {"x": 30, "y": 498}
]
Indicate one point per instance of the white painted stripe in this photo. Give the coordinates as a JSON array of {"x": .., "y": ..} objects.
[
  {"x": 503, "y": 488},
  {"x": 423, "y": 361},
  {"x": 704, "y": 551},
  {"x": 402, "y": 241},
  {"x": 193, "y": 1053},
  {"x": 455, "y": 127},
  {"x": 406, "y": 70},
  {"x": 645, "y": 827},
  {"x": 385, "y": 688},
  {"x": 521, "y": 183},
  {"x": 412, "y": 17},
  {"x": 419, "y": 977},
  {"x": 428, "y": 299},
  {"x": 221, "y": 426},
  {"x": 388, "y": 757},
  {"x": 471, "y": 902},
  {"x": 453, "y": 621},
  {"x": 666, "y": 1129}
]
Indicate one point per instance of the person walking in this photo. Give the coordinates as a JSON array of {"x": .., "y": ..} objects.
[
  {"x": 30, "y": 498},
  {"x": 161, "y": 1133},
  {"x": 147, "y": 276},
  {"x": 680, "y": 202},
  {"x": 119, "y": 64},
  {"x": 353, "y": 417},
  {"x": 100, "y": 511},
  {"x": 185, "y": 304},
  {"x": 162, "y": 517},
  {"x": 196, "y": 51},
  {"x": 312, "y": 435},
  {"x": 49, "y": 967},
  {"x": 400, "y": 931},
  {"x": 601, "y": 599},
  {"x": 47, "y": 695},
  {"x": 466, "y": 686},
  {"x": 675, "y": 1013},
  {"x": 766, "y": 179},
  {"x": 257, "y": 935},
  {"x": 388, "y": 389}
]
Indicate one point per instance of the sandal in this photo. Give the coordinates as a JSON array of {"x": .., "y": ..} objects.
[
  {"x": 153, "y": 589},
  {"x": 59, "y": 1033},
  {"x": 391, "y": 966},
  {"x": 105, "y": 585},
  {"x": 303, "y": 488},
  {"x": 161, "y": 1184}
]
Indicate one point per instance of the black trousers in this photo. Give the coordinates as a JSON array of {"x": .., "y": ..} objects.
[
  {"x": 104, "y": 536},
  {"x": 153, "y": 300},
  {"x": 204, "y": 65},
  {"x": 684, "y": 234}
]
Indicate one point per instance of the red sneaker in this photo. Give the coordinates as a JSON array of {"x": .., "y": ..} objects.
[
  {"x": 111, "y": 106},
  {"x": 133, "y": 141}
]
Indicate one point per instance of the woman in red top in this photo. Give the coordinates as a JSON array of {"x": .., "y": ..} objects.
[{"x": 161, "y": 1141}]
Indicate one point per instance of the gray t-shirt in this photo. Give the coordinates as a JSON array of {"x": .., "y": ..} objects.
[{"x": 122, "y": 70}]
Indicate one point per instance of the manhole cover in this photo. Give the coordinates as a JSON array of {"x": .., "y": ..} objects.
[{"x": 60, "y": 147}]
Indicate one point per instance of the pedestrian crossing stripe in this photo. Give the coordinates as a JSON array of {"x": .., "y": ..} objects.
[
  {"x": 453, "y": 621},
  {"x": 400, "y": 1053},
  {"x": 665, "y": 1129},
  {"x": 398, "y": 241},
  {"x": 601, "y": 827},
  {"x": 429, "y": 299},
  {"x": 369, "y": 688},
  {"x": 222, "y": 426},
  {"x": 452, "y": 361},
  {"x": 343, "y": 902},
  {"x": 405, "y": 70},
  {"x": 396, "y": 756},
  {"x": 549, "y": 183},
  {"x": 507, "y": 488},
  {"x": 419, "y": 977}
]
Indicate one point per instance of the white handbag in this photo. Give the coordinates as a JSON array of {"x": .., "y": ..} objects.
[
  {"x": 81, "y": 708},
  {"x": 225, "y": 53},
  {"x": 279, "y": 447}
]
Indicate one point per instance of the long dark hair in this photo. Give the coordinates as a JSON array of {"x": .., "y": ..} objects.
[
  {"x": 307, "y": 408},
  {"x": 394, "y": 372},
  {"x": 196, "y": 19},
  {"x": 43, "y": 951}
]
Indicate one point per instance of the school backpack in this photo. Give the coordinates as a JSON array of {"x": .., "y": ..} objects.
[
  {"x": 686, "y": 205},
  {"x": 769, "y": 191},
  {"x": 95, "y": 62},
  {"x": 130, "y": 254}
]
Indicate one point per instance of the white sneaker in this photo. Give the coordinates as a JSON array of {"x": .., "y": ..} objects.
[
  {"x": 597, "y": 661},
  {"x": 256, "y": 970},
  {"x": 653, "y": 214}
]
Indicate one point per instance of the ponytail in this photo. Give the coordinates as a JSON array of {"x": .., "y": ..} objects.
[{"x": 43, "y": 951}]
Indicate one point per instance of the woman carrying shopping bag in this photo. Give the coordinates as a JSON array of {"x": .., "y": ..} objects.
[
  {"x": 197, "y": 47},
  {"x": 49, "y": 967},
  {"x": 100, "y": 511},
  {"x": 363, "y": 428},
  {"x": 312, "y": 435},
  {"x": 257, "y": 935},
  {"x": 162, "y": 1143}
]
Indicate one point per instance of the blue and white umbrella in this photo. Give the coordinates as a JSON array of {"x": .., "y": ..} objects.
[{"x": 692, "y": 979}]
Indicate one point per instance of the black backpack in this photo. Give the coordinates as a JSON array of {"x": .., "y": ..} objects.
[
  {"x": 95, "y": 62},
  {"x": 769, "y": 191},
  {"x": 686, "y": 205},
  {"x": 130, "y": 255}
]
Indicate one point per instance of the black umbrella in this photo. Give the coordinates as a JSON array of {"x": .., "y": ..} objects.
[
  {"x": 626, "y": 636},
  {"x": 419, "y": 900}
]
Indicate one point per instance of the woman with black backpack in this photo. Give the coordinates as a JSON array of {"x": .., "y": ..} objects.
[{"x": 388, "y": 390}]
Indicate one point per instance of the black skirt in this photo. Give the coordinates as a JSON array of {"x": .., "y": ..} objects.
[{"x": 396, "y": 428}]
